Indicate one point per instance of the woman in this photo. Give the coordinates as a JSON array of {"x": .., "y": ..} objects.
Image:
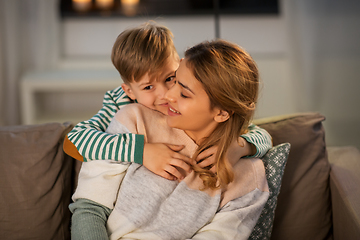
[{"x": 211, "y": 104}]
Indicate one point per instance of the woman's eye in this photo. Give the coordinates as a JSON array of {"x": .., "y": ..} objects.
[
  {"x": 183, "y": 96},
  {"x": 148, "y": 87}
]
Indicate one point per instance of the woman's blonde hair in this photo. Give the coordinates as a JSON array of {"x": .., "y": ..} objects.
[
  {"x": 143, "y": 49},
  {"x": 230, "y": 78}
]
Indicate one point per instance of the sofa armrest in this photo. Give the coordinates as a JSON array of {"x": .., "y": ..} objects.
[{"x": 345, "y": 191}]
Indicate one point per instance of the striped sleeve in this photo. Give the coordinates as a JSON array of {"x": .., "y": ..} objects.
[
  {"x": 93, "y": 143},
  {"x": 260, "y": 138}
]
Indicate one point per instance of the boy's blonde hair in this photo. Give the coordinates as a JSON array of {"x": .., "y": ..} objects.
[
  {"x": 230, "y": 78},
  {"x": 143, "y": 49}
]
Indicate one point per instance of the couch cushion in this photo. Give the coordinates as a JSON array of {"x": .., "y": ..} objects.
[
  {"x": 35, "y": 182},
  {"x": 304, "y": 206},
  {"x": 345, "y": 191},
  {"x": 274, "y": 163}
]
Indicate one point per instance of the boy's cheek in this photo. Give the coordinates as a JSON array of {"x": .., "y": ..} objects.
[
  {"x": 170, "y": 84},
  {"x": 163, "y": 110}
]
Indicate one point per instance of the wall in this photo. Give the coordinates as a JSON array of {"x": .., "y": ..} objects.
[{"x": 325, "y": 60}]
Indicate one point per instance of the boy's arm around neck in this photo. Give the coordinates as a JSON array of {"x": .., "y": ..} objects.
[
  {"x": 260, "y": 140},
  {"x": 91, "y": 141}
]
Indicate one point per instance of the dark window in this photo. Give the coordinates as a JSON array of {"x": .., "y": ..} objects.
[{"x": 119, "y": 8}]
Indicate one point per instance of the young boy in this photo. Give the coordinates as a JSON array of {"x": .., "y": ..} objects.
[{"x": 146, "y": 60}]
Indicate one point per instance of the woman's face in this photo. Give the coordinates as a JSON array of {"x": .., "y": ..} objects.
[{"x": 189, "y": 105}]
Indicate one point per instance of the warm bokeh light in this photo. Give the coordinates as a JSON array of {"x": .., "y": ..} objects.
[
  {"x": 129, "y": 7},
  {"x": 129, "y": 2},
  {"x": 104, "y": 4},
  {"x": 81, "y": 5}
]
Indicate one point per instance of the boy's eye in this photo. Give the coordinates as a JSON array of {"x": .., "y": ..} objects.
[
  {"x": 170, "y": 78},
  {"x": 148, "y": 87},
  {"x": 170, "y": 81}
]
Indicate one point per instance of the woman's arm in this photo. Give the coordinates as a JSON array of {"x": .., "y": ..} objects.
[
  {"x": 241, "y": 203},
  {"x": 89, "y": 137},
  {"x": 236, "y": 220}
]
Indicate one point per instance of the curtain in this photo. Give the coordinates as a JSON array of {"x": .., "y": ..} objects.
[{"x": 29, "y": 40}]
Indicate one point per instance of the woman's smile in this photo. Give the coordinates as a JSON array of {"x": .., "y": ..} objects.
[
  {"x": 172, "y": 111},
  {"x": 189, "y": 106}
]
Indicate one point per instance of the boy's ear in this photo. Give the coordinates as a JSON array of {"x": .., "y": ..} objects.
[
  {"x": 221, "y": 116},
  {"x": 128, "y": 91}
]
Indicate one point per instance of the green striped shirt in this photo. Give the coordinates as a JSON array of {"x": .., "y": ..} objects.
[{"x": 93, "y": 143}]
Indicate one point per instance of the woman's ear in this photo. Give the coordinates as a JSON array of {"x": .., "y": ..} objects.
[
  {"x": 222, "y": 116},
  {"x": 128, "y": 91}
]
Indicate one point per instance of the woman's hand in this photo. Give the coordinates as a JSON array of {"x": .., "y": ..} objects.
[
  {"x": 206, "y": 159},
  {"x": 237, "y": 150},
  {"x": 166, "y": 161}
]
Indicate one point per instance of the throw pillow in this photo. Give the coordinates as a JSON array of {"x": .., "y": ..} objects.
[{"x": 274, "y": 162}]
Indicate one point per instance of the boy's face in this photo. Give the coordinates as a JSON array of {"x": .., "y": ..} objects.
[{"x": 151, "y": 92}]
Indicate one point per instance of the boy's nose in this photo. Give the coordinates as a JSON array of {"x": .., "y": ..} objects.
[
  {"x": 169, "y": 95},
  {"x": 161, "y": 91}
]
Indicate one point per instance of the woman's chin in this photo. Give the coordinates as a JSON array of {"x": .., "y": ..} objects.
[{"x": 171, "y": 123}]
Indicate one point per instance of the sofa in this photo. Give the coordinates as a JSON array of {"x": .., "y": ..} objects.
[{"x": 319, "y": 196}]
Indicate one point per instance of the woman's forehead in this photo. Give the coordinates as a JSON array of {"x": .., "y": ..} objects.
[{"x": 185, "y": 77}]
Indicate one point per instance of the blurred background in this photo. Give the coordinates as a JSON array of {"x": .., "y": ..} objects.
[{"x": 55, "y": 54}]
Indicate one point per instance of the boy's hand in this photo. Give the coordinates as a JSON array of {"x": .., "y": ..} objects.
[
  {"x": 240, "y": 148},
  {"x": 165, "y": 161}
]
